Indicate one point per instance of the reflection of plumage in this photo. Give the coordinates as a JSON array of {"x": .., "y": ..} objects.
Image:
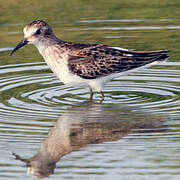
[
  {"x": 87, "y": 124},
  {"x": 89, "y": 65}
]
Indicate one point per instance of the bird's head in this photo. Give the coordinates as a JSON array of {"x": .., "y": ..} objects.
[{"x": 34, "y": 33}]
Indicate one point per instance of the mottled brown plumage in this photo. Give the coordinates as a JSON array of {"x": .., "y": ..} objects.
[
  {"x": 94, "y": 61},
  {"x": 87, "y": 65}
]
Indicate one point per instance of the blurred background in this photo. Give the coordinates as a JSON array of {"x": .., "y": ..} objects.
[
  {"x": 96, "y": 22},
  {"x": 32, "y": 99}
]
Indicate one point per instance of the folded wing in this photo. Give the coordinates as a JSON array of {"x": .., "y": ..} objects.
[{"x": 97, "y": 61}]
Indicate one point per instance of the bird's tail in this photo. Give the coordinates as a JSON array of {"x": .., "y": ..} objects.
[{"x": 149, "y": 57}]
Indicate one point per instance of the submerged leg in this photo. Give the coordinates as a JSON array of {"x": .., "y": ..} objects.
[
  {"x": 91, "y": 94},
  {"x": 102, "y": 96}
]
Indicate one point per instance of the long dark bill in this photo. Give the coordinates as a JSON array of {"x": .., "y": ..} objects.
[{"x": 20, "y": 45}]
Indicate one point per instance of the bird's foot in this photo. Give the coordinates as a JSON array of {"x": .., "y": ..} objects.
[{"x": 102, "y": 97}]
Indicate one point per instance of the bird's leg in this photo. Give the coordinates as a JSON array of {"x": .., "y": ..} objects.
[
  {"x": 102, "y": 96},
  {"x": 91, "y": 94}
]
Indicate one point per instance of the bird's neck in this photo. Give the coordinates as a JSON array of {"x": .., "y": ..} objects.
[
  {"x": 44, "y": 43},
  {"x": 49, "y": 47}
]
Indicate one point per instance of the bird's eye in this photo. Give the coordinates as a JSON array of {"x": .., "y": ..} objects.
[{"x": 38, "y": 32}]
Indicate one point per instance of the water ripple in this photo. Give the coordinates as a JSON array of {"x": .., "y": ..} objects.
[
  {"x": 124, "y": 28},
  {"x": 34, "y": 94}
]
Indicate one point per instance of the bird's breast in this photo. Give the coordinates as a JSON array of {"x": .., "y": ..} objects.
[{"x": 58, "y": 63}]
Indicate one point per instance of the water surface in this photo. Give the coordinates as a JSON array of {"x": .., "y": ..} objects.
[{"x": 134, "y": 133}]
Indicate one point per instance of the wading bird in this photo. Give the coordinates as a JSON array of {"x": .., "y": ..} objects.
[{"x": 87, "y": 65}]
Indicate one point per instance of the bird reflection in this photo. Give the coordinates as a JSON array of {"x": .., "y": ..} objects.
[{"x": 87, "y": 124}]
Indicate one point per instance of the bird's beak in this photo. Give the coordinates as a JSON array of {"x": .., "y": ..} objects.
[{"x": 20, "y": 45}]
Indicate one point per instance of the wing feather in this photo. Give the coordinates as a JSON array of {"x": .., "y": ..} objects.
[{"x": 100, "y": 60}]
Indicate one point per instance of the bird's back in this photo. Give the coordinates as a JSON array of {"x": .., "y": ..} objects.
[{"x": 92, "y": 61}]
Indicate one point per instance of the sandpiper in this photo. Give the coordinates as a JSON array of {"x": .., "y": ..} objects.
[{"x": 87, "y": 65}]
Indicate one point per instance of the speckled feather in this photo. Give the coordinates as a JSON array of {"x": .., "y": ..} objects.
[
  {"x": 85, "y": 65},
  {"x": 94, "y": 61}
]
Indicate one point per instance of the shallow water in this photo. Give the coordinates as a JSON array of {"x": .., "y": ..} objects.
[{"x": 134, "y": 133}]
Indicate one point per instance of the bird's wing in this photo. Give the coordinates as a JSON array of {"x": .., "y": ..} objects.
[{"x": 100, "y": 60}]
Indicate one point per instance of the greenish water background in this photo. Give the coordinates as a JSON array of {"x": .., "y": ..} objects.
[
  {"x": 32, "y": 99},
  {"x": 63, "y": 15}
]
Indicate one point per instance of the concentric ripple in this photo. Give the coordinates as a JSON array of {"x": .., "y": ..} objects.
[
  {"x": 33, "y": 101},
  {"x": 27, "y": 90}
]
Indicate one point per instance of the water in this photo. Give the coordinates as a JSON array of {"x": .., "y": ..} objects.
[{"x": 133, "y": 134}]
